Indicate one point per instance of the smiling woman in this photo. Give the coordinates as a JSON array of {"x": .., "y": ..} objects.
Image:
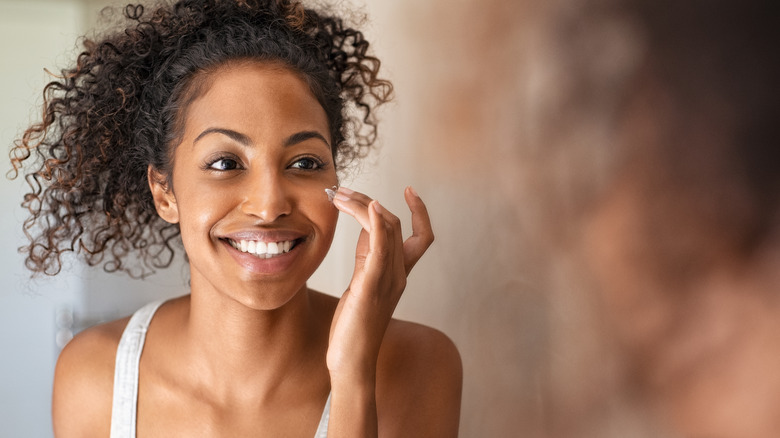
[{"x": 223, "y": 123}]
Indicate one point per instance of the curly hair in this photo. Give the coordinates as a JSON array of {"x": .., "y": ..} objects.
[{"x": 120, "y": 108}]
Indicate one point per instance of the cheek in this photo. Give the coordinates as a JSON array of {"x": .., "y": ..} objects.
[
  {"x": 320, "y": 209},
  {"x": 199, "y": 208},
  {"x": 313, "y": 200}
]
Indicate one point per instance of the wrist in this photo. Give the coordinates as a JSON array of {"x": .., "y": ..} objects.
[
  {"x": 350, "y": 369},
  {"x": 353, "y": 407},
  {"x": 355, "y": 381}
]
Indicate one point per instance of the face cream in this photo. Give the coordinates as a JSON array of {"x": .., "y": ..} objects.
[{"x": 331, "y": 192}]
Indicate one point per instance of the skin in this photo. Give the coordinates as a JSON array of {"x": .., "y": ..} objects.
[{"x": 252, "y": 351}]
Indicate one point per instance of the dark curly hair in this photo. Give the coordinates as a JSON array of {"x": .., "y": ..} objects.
[{"x": 120, "y": 110}]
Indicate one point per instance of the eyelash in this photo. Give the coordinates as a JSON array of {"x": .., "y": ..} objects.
[
  {"x": 209, "y": 165},
  {"x": 317, "y": 163}
]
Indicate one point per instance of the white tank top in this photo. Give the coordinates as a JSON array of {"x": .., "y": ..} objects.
[{"x": 128, "y": 356}]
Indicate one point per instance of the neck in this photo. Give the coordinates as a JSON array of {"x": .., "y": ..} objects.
[{"x": 239, "y": 348}]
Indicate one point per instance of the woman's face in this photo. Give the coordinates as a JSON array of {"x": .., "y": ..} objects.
[{"x": 248, "y": 185}]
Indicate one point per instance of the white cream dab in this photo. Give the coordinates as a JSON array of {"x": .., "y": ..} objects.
[{"x": 331, "y": 192}]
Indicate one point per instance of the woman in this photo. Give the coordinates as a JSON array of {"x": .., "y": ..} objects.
[{"x": 223, "y": 122}]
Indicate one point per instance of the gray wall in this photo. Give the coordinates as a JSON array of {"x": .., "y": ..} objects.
[{"x": 34, "y": 35}]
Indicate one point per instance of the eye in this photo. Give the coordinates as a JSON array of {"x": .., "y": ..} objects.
[
  {"x": 223, "y": 164},
  {"x": 307, "y": 163}
]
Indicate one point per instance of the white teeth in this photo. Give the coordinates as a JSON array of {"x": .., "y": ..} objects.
[{"x": 262, "y": 249}]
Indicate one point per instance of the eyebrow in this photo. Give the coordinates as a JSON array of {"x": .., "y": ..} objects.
[
  {"x": 296, "y": 138},
  {"x": 234, "y": 135},
  {"x": 302, "y": 136}
]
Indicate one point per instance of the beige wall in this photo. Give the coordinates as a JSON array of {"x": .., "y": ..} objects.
[{"x": 464, "y": 107}]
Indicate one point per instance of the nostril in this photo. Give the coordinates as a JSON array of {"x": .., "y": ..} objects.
[{"x": 267, "y": 206}]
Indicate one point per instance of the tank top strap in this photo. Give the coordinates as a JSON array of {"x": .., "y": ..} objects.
[
  {"x": 322, "y": 429},
  {"x": 128, "y": 357}
]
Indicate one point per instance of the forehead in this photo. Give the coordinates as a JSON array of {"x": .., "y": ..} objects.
[{"x": 255, "y": 98}]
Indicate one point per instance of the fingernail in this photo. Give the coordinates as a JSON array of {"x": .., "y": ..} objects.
[
  {"x": 378, "y": 207},
  {"x": 414, "y": 192},
  {"x": 346, "y": 190}
]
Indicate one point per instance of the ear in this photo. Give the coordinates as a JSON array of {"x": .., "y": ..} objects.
[{"x": 164, "y": 199}]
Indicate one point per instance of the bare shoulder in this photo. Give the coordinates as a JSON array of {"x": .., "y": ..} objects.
[
  {"x": 84, "y": 380},
  {"x": 419, "y": 381}
]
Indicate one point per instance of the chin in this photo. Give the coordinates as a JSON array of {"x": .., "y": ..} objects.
[{"x": 266, "y": 297}]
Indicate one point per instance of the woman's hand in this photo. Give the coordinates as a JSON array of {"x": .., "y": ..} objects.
[{"x": 382, "y": 262}]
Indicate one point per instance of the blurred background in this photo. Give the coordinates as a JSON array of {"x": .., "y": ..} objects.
[{"x": 475, "y": 82}]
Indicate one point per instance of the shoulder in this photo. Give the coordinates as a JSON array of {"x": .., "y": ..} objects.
[
  {"x": 419, "y": 381},
  {"x": 84, "y": 380}
]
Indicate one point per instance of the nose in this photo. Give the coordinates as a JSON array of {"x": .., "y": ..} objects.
[{"x": 267, "y": 197}]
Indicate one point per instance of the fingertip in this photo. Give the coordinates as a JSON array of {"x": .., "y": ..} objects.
[
  {"x": 410, "y": 195},
  {"x": 413, "y": 200},
  {"x": 375, "y": 212}
]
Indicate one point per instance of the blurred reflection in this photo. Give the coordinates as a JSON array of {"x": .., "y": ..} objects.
[{"x": 670, "y": 123}]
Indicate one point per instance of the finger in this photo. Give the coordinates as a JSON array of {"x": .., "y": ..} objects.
[
  {"x": 394, "y": 235},
  {"x": 355, "y": 196},
  {"x": 354, "y": 204},
  {"x": 397, "y": 236},
  {"x": 379, "y": 251},
  {"x": 392, "y": 262},
  {"x": 422, "y": 232},
  {"x": 361, "y": 252}
]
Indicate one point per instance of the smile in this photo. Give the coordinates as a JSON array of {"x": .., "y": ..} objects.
[{"x": 263, "y": 250}]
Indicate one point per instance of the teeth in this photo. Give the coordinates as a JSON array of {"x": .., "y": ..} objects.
[{"x": 262, "y": 249}]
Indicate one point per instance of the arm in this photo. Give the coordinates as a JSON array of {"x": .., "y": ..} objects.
[{"x": 83, "y": 383}]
